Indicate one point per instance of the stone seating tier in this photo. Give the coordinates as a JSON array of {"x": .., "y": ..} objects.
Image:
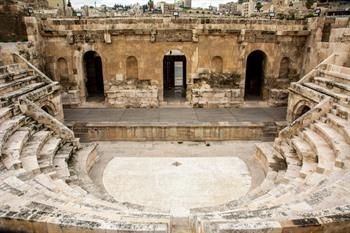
[
  {"x": 34, "y": 171},
  {"x": 312, "y": 192}
]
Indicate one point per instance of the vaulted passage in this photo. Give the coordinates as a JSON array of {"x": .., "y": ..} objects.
[
  {"x": 174, "y": 77},
  {"x": 94, "y": 76},
  {"x": 255, "y": 75},
  {"x": 301, "y": 111}
]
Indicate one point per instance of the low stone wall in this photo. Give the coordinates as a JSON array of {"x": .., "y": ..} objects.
[
  {"x": 206, "y": 97},
  {"x": 133, "y": 94},
  {"x": 215, "y": 90},
  {"x": 278, "y": 97},
  {"x": 71, "y": 97},
  {"x": 89, "y": 132}
]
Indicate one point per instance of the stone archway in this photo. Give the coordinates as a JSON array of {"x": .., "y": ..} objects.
[
  {"x": 93, "y": 76},
  {"x": 174, "y": 75},
  {"x": 255, "y": 74},
  {"x": 48, "y": 110},
  {"x": 300, "y": 110}
]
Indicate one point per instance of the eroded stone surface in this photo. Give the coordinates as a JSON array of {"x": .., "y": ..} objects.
[{"x": 177, "y": 183}]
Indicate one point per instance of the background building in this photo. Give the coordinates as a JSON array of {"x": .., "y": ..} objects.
[
  {"x": 187, "y": 3},
  {"x": 248, "y": 8}
]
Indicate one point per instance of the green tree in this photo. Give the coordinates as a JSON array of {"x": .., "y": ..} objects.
[
  {"x": 258, "y": 6},
  {"x": 69, "y": 4}
]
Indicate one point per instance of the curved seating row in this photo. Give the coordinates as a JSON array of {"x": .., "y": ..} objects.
[
  {"x": 311, "y": 193},
  {"x": 37, "y": 192}
]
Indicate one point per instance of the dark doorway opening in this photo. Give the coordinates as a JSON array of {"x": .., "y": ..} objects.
[
  {"x": 301, "y": 111},
  {"x": 255, "y": 72},
  {"x": 94, "y": 76},
  {"x": 48, "y": 110},
  {"x": 174, "y": 77}
]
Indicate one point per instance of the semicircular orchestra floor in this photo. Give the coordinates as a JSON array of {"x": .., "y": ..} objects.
[{"x": 174, "y": 176}]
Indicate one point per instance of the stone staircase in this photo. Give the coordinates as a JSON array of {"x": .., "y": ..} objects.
[
  {"x": 38, "y": 192},
  {"x": 307, "y": 168}
]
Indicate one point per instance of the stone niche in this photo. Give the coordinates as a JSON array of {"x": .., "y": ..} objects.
[
  {"x": 133, "y": 93},
  {"x": 214, "y": 90}
]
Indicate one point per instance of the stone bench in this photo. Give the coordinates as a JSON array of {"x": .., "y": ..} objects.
[
  {"x": 15, "y": 85},
  {"x": 336, "y": 141},
  {"x": 341, "y": 125},
  {"x": 13, "y": 148},
  {"x": 326, "y": 91},
  {"x": 8, "y": 127},
  {"x": 8, "y": 97},
  {"x": 325, "y": 155},
  {"x": 30, "y": 152}
]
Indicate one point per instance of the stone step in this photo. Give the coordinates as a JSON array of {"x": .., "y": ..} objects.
[
  {"x": 17, "y": 84},
  {"x": 303, "y": 149},
  {"x": 7, "y": 78},
  {"x": 30, "y": 152},
  {"x": 332, "y": 85},
  {"x": 290, "y": 156},
  {"x": 342, "y": 126},
  {"x": 342, "y": 111},
  {"x": 326, "y": 91},
  {"x": 325, "y": 155},
  {"x": 21, "y": 91},
  {"x": 8, "y": 127},
  {"x": 336, "y": 141},
  {"x": 309, "y": 160},
  {"x": 5, "y": 113},
  {"x": 50, "y": 148},
  {"x": 60, "y": 161},
  {"x": 336, "y": 76},
  {"x": 292, "y": 173},
  {"x": 13, "y": 148}
]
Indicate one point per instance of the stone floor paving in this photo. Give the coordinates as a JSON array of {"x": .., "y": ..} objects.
[
  {"x": 177, "y": 176},
  {"x": 179, "y": 115}
]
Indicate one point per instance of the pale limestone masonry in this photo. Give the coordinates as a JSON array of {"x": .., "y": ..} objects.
[
  {"x": 133, "y": 93},
  {"x": 215, "y": 90},
  {"x": 148, "y": 40},
  {"x": 307, "y": 167},
  {"x": 36, "y": 181},
  {"x": 44, "y": 186}
]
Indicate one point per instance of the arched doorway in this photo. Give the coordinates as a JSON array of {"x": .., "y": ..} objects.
[
  {"x": 94, "y": 76},
  {"x": 174, "y": 76},
  {"x": 48, "y": 110},
  {"x": 255, "y": 72},
  {"x": 301, "y": 110}
]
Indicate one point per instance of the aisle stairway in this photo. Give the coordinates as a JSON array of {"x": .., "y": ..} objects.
[
  {"x": 311, "y": 193},
  {"x": 37, "y": 191}
]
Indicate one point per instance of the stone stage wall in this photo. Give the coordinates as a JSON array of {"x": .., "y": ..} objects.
[{"x": 220, "y": 45}]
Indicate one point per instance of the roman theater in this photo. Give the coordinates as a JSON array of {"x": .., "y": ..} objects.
[{"x": 175, "y": 125}]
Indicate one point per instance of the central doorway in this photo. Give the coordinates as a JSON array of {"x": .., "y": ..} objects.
[
  {"x": 94, "y": 76},
  {"x": 255, "y": 73},
  {"x": 174, "y": 76}
]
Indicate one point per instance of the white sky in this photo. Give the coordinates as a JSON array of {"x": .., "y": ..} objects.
[{"x": 195, "y": 3}]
